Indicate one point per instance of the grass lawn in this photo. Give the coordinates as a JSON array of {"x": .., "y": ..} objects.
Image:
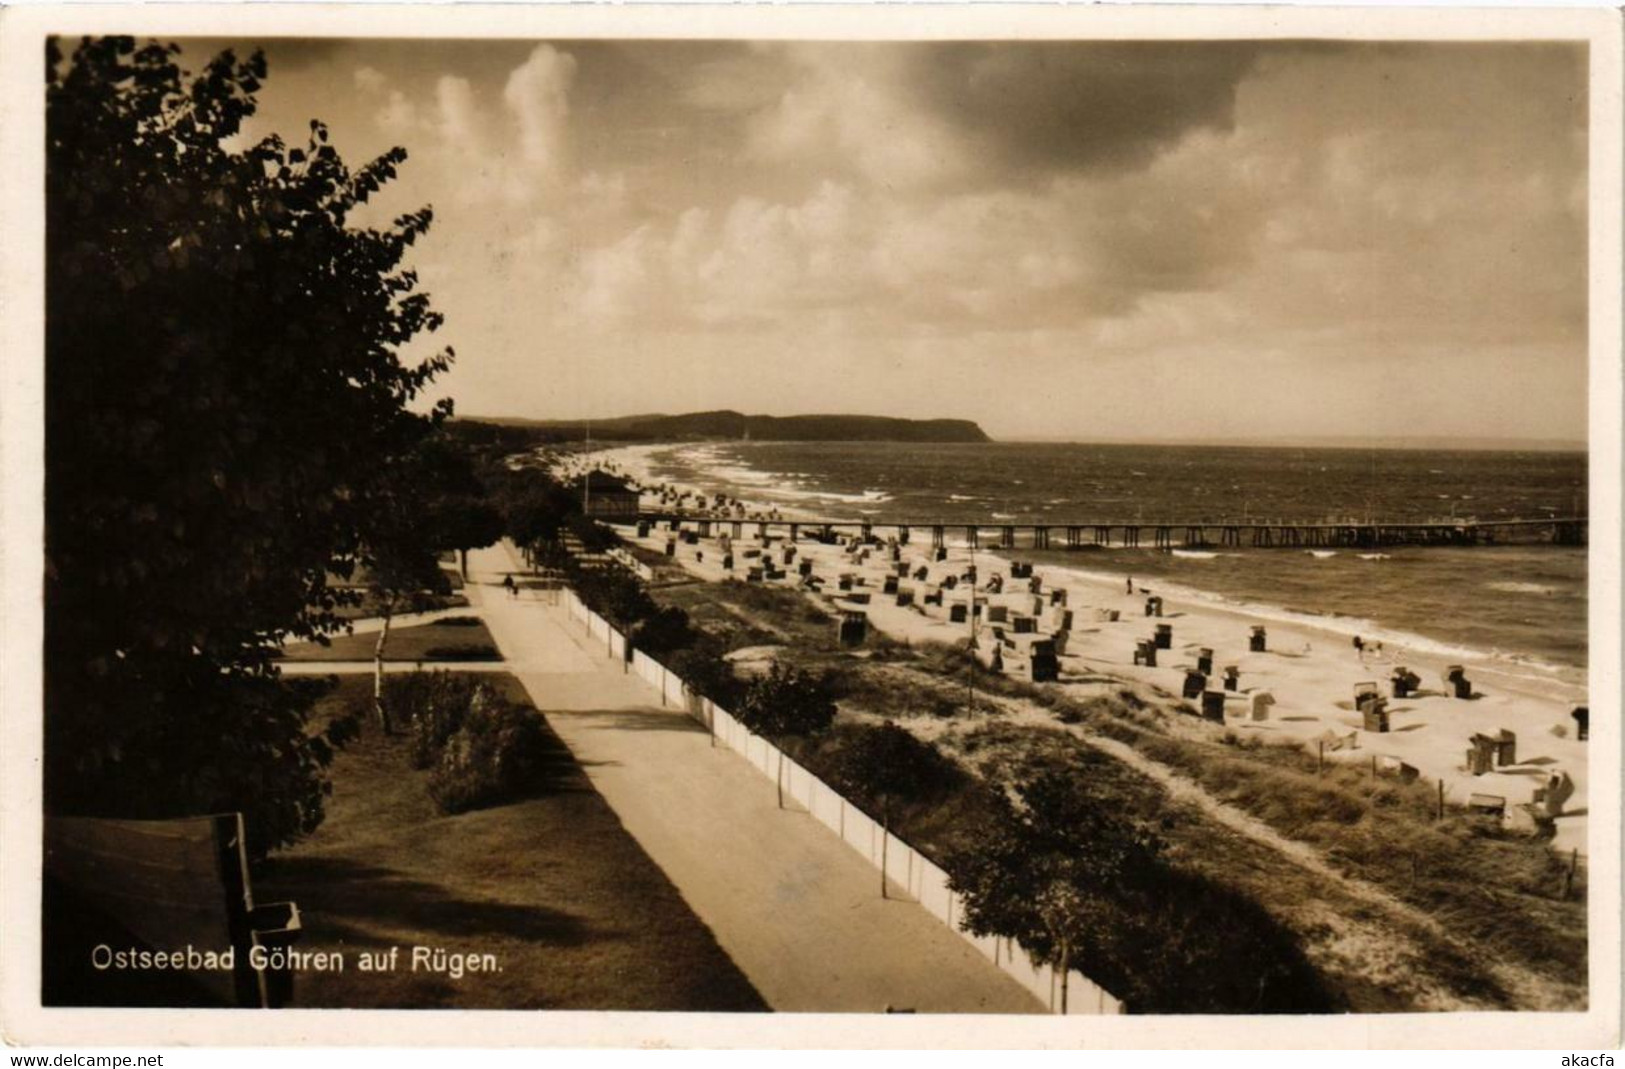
[
  {"x": 575, "y": 913},
  {"x": 442, "y": 640}
]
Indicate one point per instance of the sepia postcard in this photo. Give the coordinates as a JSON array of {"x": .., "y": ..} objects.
[{"x": 811, "y": 526}]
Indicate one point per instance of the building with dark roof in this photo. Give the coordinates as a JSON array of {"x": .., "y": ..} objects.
[{"x": 605, "y": 496}]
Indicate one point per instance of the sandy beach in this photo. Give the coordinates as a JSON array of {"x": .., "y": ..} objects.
[{"x": 1311, "y": 671}]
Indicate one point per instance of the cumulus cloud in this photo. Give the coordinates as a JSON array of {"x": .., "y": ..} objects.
[
  {"x": 1297, "y": 208},
  {"x": 458, "y": 118},
  {"x": 538, "y": 95},
  {"x": 848, "y": 116},
  {"x": 398, "y": 118},
  {"x": 370, "y": 80},
  {"x": 943, "y": 115}
]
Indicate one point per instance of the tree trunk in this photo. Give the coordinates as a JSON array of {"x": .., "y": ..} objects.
[
  {"x": 378, "y": 672},
  {"x": 462, "y": 563}
]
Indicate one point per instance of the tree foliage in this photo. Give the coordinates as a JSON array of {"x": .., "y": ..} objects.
[
  {"x": 225, "y": 385},
  {"x": 533, "y": 506},
  {"x": 1076, "y": 884},
  {"x": 889, "y": 766},
  {"x": 786, "y": 701},
  {"x": 1041, "y": 868},
  {"x": 664, "y": 631},
  {"x": 615, "y": 594}
]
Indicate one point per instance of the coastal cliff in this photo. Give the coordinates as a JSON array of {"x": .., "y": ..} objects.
[{"x": 736, "y": 425}]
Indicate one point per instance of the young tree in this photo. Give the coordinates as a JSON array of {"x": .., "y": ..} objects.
[
  {"x": 786, "y": 702},
  {"x": 1040, "y": 872},
  {"x": 889, "y": 766},
  {"x": 224, "y": 379},
  {"x": 428, "y": 500}
]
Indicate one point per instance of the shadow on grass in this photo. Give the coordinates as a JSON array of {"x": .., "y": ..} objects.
[{"x": 351, "y": 900}]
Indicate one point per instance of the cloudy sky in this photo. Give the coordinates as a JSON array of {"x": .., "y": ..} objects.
[{"x": 1088, "y": 240}]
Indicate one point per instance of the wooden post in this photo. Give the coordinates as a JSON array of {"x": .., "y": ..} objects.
[
  {"x": 778, "y": 779},
  {"x": 1440, "y": 811},
  {"x": 1568, "y": 878},
  {"x": 1373, "y": 768},
  {"x": 1320, "y": 757}
]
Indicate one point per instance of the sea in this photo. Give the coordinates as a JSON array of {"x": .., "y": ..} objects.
[{"x": 1521, "y": 605}]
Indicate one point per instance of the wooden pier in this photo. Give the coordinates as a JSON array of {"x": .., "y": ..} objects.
[{"x": 1561, "y": 531}]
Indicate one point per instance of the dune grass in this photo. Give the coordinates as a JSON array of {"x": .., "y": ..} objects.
[
  {"x": 576, "y": 914},
  {"x": 1493, "y": 893}
]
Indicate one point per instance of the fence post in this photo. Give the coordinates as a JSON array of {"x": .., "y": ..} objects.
[{"x": 885, "y": 839}]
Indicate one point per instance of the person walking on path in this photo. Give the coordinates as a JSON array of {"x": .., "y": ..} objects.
[{"x": 509, "y": 585}]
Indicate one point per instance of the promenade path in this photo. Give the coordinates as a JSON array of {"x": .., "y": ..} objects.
[{"x": 798, "y": 911}]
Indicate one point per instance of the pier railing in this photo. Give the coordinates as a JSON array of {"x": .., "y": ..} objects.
[{"x": 1562, "y": 531}]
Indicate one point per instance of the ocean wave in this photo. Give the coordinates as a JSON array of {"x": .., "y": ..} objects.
[
  {"x": 1375, "y": 556},
  {"x": 1510, "y": 664},
  {"x": 1321, "y": 554},
  {"x": 1510, "y": 587},
  {"x": 1194, "y": 554},
  {"x": 870, "y": 497}
]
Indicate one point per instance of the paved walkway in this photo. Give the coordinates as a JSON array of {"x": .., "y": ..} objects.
[{"x": 797, "y": 910}]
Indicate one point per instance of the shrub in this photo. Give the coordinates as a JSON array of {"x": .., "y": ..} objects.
[
  {"x": 887, "y": 764},
  {"x": 595, "y": 537},
  {"x": 477, "y": 651},
  {"x": 495, "y": 756},
  {"x": 459, "y": 621},
  {"x": 615, "y": 595},
  {"x": 663, "y": 632},
  {"x": 706, "y": 672},
  {"x": 786, "y": 701},
  {"x": 433, "y": 705}
]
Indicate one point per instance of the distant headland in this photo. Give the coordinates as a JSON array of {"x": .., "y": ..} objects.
[{"x": 737, "y": 425}]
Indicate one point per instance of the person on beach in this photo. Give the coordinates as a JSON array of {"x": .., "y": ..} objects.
[
  {"x": 508, "y": 585},
  {"x": 1131, "y": 584},
  {"x": 1359, "y": 648}
]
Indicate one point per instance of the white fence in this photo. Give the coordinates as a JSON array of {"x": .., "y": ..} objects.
[
  {"x": 632, "y": 564},
  {"x": 906, "y": 867}
]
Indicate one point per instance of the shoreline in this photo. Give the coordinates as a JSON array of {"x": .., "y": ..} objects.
[
  {"x": 1520, "y": 669},
  {"x": 1310, "y": 666}
]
